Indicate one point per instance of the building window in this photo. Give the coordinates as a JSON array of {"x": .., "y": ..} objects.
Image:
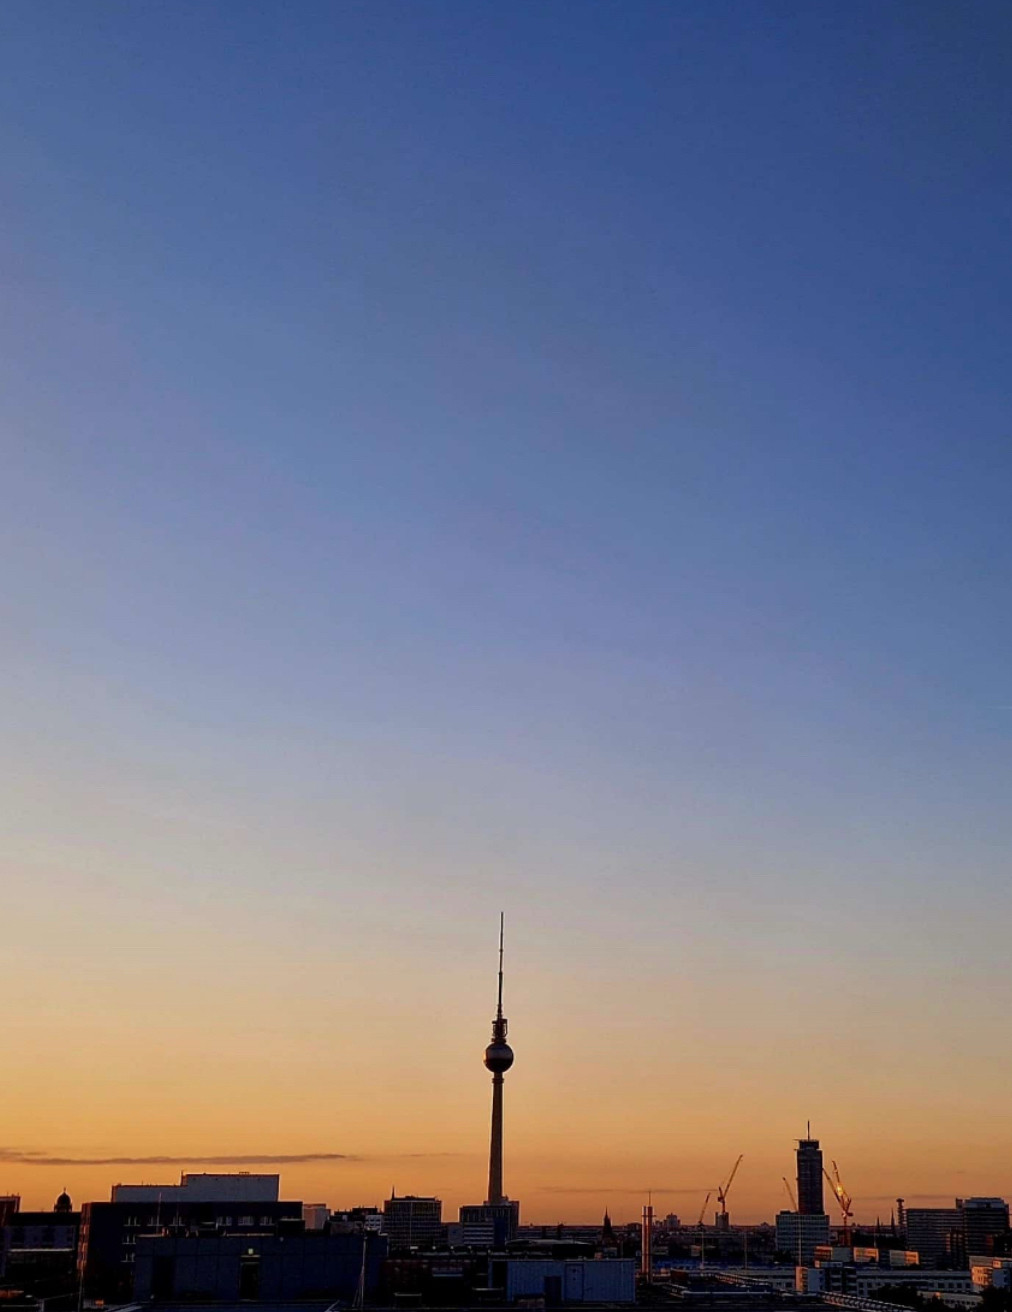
[{"x": 246, "y": 1220}]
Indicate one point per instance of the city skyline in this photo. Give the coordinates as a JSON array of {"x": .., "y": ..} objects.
[{"x": 549, "y": 457}]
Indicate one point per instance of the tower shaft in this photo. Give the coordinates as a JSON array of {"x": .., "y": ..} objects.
[{"x": 495, "y": 1193}]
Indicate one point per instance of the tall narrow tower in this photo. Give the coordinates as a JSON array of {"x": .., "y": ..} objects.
[
  {"x": 810, "y": 1201},
  {"x": 498, "y": 1059}
]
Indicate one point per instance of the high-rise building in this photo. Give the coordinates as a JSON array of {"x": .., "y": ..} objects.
[
  {"x": 412, "y": 1222},
  {"x": 810, "y": 1201},
  {"x": 984, "y": 1221}
]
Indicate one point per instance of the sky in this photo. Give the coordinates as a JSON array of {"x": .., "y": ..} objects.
[{"x": 550, "y": 458}]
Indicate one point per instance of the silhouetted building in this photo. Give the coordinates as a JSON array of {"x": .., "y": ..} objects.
[
  {"x": 355, "y": 1220},
  {"x": 433, "y": 1279},
  {"x": 985, "y": 1221},
  {"x": 565, "y": 1281},
  {"x": 489, "y": 1225},
  {"x": 799, "y": 1235},
  {"x": 936, "y": 1234},
  {"x": 109, "y": 1231},
  {"x": 40, "y": 1247},
  {"x": 412, "y": 1222},
  {"x": 273, "y": 1268},
  {"x": 810, "y": 1201}
]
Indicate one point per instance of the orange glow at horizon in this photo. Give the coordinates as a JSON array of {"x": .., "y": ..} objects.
[{"x": 377, "y": 1055}]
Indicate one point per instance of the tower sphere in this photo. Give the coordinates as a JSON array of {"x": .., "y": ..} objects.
[{"x": 498, "y": 1057}]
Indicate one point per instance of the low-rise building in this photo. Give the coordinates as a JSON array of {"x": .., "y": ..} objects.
[
  {"x": 109, "y": 1231},
  {"x": 272, "y": 1268},
  {"x": 40, "y": 1246},
  {"x": 799, "y": 1234},
  {"x": 991, "y": 1272},
  {"x": 567, "y": 1281},
  {"x": 489, "y": 1225}
]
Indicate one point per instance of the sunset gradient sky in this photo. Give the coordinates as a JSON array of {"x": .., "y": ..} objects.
[{"x": 476, "y": 456}]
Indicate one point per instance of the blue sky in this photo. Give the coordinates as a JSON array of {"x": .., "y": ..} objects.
[{"x": 555, "y": 455}]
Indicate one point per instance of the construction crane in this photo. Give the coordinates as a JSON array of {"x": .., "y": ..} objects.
[
  {"x": 702, "y": 1233},
  {"x": 790, "y": 1193},
  {"x": 723, "y": 1220},
  {"x": 843, "y": 1199}
]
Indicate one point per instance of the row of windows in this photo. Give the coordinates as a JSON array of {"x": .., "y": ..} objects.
[
  {"x": 17, "y": 1233},
  {"x": 133, "y": 1223}
]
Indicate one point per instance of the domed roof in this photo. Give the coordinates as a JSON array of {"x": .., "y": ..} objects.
[{"x": 63, "y": 1203}]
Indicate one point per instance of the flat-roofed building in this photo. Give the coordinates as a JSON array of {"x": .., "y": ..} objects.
[
  {"x": 412, "y": 1221},
  {"x": 935, "y": 1233},
  {"x": 985, "y": 1221},
  {"x": 800, "y": 1235}
]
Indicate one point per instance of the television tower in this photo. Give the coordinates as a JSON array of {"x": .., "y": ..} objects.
[{"x": 498, "y": 1059}]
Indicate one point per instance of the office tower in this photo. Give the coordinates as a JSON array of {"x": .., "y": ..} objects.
[
  {"x": 498, "y": 1059},
  {"x": 411, "y": 1222},
  {"x": 935, "y": 1233},
  {"x": 984, "y": 1221},
  {"x": 810, "y": 1178}
]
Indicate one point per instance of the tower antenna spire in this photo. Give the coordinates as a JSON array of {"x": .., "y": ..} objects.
[{"x": 502, "y": 926}]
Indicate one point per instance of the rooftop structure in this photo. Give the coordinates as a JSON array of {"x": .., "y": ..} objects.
[{"x": 238, "y": 1187}]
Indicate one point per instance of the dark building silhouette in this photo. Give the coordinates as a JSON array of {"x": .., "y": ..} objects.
[
  {"x": 985, "y": 1224},
  {"x": 39, "y": 1249},
  {"x": 489, "y": 1225},
  {"x": 296, "y": 1264},
  {"x": 810, "y": 1201},
  {"x": 412, "y": 1222},
  {"x": 936, "y": 1233},
  {"x": 110, "y": 1233}
]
